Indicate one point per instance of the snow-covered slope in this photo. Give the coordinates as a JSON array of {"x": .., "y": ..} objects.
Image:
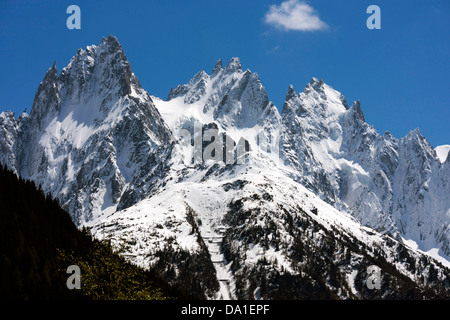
[
  {"x": 393, "y": 185},
  {"x": 258, "y": 226},
  {"x": 312, "y": 198}
]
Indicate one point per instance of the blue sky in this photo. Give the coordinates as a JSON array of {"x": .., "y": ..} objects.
[{"x": 400, "y": 73}]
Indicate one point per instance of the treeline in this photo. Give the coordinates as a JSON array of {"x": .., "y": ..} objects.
[{"x": 38, "y": 241}]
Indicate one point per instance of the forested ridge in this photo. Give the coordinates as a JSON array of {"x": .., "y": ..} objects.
[{"x": 38, "y": 241}]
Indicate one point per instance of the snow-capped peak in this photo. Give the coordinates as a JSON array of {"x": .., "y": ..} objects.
[
  {"x": 217, "y": 68},
  {"x": 357, "y": 111},
  {"x": 106, "y": 66},
  {"x": 46, "y": 100},
  {"x": 81, "y": 122},
  {"x": 234, "y": 65},
  {"x": 318, "y": 99},
  {"x": 291, "y": 92},
  {"x": 231, "y": 97}
]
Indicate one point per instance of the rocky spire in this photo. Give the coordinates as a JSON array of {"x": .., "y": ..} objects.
[
  {"x": 316, "y": 83},
  {"x": 217, "y": 67},
  {"x": 291, "y": 92},
  {"x": 46, "y": 99},
  {"x": 357, "y": 111},
  {"x": 233, "y": 65},
  {"x": 288, "y": 105},
  {"x": 96, "y": 71}
]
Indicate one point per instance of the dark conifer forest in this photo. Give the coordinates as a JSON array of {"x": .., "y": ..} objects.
[{"x": 38, "y": 241}]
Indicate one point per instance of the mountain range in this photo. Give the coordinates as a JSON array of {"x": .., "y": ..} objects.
[{"x": 311, "y": 198}]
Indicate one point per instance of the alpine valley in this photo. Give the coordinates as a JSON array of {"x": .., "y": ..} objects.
[{"x": 316, "y": 199}]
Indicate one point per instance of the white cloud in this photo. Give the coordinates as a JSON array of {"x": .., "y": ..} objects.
[{"x": 294, "y": 15}]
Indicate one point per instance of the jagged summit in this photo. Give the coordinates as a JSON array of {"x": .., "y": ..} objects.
[
  {"x": 112, "y": 41},
  {"x": 217, "y": 67},
  {"x": 356, "y": 108},
  {"x": 316, "y": 83},
  {"x": 288, "y": 106},
  {"x": 88, "y": 87},
  {"x": 196, "y": 87},
  {"x": 414, "y": 133},
  {"x": 46, "y": 99},
  {"x": 94, "y": 107},
  {"x": 317, "y": 98},
  {"x": 234, "y": 65},
  {"x": 230, "y": 96},
  {"x": 105, "y": 64},
  {"x": 291, "y": 92}
]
